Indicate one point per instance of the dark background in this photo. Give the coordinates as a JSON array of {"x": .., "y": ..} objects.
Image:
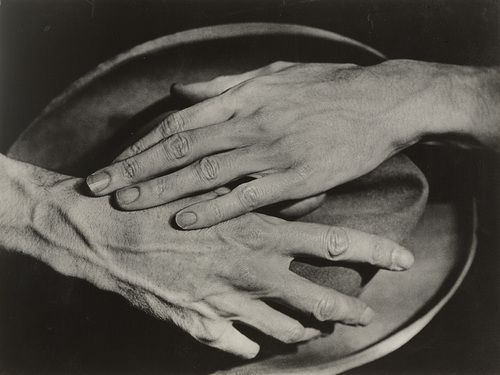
[{"x": 45, "y": 45}]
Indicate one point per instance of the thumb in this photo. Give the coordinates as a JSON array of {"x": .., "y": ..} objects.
[
  {"x": 295, "y": 209},
  {"x": 199, "y": 91}
]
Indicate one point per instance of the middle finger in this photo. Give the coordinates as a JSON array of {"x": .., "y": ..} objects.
[
  {"x": 206, "y": 174},
  {"x": 171, "y": 153}
]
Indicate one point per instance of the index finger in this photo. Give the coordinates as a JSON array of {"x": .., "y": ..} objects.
[
  {"x": 208, "y": 112},
  {"x": 343, "y": 244}
]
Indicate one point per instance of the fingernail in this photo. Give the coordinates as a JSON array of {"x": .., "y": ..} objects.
[
  {"x": 176, "y": 89},
  {"x": 404, "y": 260},
  {"x": 98, "y": 181},
  {"x": 367, "y": 316},
  {"x": 252, "y": 353},
  {"x": 124, "y": 155},
  {"x": 338, "y": 242},
  {"x": 186, "y": 219},
  {"x": 311, "y": 333},
  {"x": 127, "y": 196}
]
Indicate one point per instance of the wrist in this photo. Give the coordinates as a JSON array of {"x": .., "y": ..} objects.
[
  {"x": 436, "y": 100},
  {"x": 414, "y": 107},
  {"x": 459, "y": 105},
  {"x": 69, "y": 237},
  {"x": 42, "y": 217},
  {"x": 480, "y": 88},
  {"x": 17, "y": 201}
]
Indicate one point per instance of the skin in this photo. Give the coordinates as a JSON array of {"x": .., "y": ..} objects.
[
  {"x": 201, "y": 280},
  {"x": 299, "y": 130}
]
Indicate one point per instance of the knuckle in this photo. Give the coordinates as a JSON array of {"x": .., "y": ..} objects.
[
  {"x": 235, "y": 91},
  {"x": 393, "y": 258},
  {"x": 223, "y": 263},
  {"x": 293, "y": 333},
  {"x": 336, "y": 241},
  {"x": 163, "y": 127},
  {"x": 259, "y": 117},
  {"x": 224, "y": 101},
  {"x": 277, "y": 65},
  {"x": 160, "y": 187},
  {"x": 354, "y": 311},
  {"x": 208, "y": 333},
  {"x": 326, "y": 308},
  {"x": 130, "y": 168},
  {"x": 177, "y": 146},
  {"x": 220, "y": 80},
  {"x": 249, "y": 197},
  {"x": 251, "y": 238},
  {"x": 246, "y": 276},
  {"x": 304, "y": 171},
  {"x": 216, "y": 211},
  {"x": 348, "y": 66},
  {"x": 256, "y": 235},
  {"x": 263, "y": 121},
  {"x": 172, "y": 124},
  {"x": 208, "y": 168},
  {"x": 136, "y": 148},
  {"x": 380, "y": 254},
  {"x": 243, "y": 90},
  {"x": 261, "y": 82},
  {"x": 346, "y": 74},
  {"x": 278, "y": 151}
]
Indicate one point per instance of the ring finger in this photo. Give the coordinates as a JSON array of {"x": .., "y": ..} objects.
[
  {"x": 264, "y": 318},
  {"x": 323, "y": 303}
]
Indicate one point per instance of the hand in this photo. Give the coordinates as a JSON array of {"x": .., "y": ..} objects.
[
  {"x": 302, "y": 128},
  {"x": 201, "y": 280}
]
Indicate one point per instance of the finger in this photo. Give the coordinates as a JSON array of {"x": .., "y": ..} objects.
[
  {"x": 244, "y": 198},
  {"x": 269, "y": 321},
  {"x": 196, "y": 92},
  {"x": 172, "y": 152},
  {"x": 206, "y": 174},
  {"x": 323, "y": 303},
  {"x": 222, "y": 335},
  {"x": 343, "y": 244},
  {"x": 296, "y": 209},
  {"x": 218, "y": 334},
  {"x": 166, "y": 211},
  {"x": 208, "y": 112},
  {"x": 275, "y": 324}
]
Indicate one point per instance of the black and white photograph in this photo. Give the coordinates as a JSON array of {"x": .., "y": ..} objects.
[{"x": 245, "y": 187}]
